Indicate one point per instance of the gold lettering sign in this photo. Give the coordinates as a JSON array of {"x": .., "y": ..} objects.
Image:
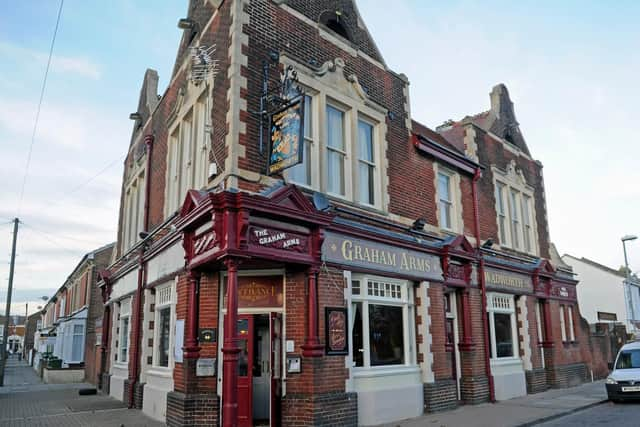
[
  {"x": 378, "y": 256},
  {"x": 259, "y": 291},
  {"x": 498, "y": 279}
]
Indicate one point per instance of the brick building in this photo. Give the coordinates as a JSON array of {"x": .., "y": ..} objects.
[
  {"x": 395, "y": 270},
  {"x": 71, "y": 319}
]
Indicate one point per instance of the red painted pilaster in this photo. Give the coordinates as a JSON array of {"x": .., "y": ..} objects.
[
  {"x": 547, "y": 330},
  {"x": 230, "y": 349},
  {"x": 191, "y": 348},
  {"x": 467, "y": 340},
  {"x": 312, "y": 346}
]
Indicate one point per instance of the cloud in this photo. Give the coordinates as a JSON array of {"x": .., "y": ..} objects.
[{"x": 77, "y": 65}]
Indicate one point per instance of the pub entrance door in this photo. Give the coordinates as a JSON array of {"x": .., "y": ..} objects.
[{"x": 259, "y": 369}]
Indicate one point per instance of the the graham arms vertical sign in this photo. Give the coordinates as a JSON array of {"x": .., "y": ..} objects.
[{"x": 287, "y": 136}]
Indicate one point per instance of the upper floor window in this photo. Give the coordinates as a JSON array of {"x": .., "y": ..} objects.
[
  {"x": 336, "y": 151},
  {"x": 344, "y": 142},
  {"x": 448, "y": 199},
  {"x": 133, "y": 213},
  {"x": 515, "y": 212},
  {"x": 187, "y": 154}
]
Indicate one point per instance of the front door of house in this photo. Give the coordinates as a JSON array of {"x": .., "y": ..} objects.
[{"x": 245, "y": 371}]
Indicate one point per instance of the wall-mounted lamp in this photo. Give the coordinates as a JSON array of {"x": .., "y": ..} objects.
[
  {"x": 418, "y": 224},
  {"x": 487, "y": 244},
  {"x": 186, "y": 24},
  {"x": 143, "y": 235},
  {"x": 135, "y": 116}
]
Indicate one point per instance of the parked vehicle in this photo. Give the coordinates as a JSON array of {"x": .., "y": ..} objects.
[{"x": 623, "y": 383}]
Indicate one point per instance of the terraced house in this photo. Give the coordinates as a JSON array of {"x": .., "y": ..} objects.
[{"x": 388, "y": 270}]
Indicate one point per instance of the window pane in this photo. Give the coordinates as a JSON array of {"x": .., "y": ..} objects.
[
  {"x": 335, "y": 132},
  {"x": 335, "y": 172},
  {"x": 445, "y": 215},
  {"x": 443, "y": 187},
  {"x": 308, "y": 115},
  {"x": 124, "y": 339},
  {"x": 504, "y": 340},
  {"x": 365, "y": 141},
  {"x": 243, "y": 359},
  {"x": 358, "y": 341},
  {"x": 365, "y": 182},
  {"x": 386, "y": 336},
  {"x": 163, "y": 338}
]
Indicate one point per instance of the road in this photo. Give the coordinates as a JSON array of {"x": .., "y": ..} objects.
[{"x": 614, "y": 414}]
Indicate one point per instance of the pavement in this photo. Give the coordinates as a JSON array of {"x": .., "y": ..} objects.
[
  {"x": 529, "y": 410},
  {"x": 26, "y": 401},
  {"x": 616, "y": 414}
]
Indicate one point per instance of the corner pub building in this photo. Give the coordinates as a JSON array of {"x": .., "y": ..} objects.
[{"x": 396, "y": 270}]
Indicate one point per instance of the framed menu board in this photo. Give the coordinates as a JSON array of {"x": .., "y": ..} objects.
[{"x": 336, "y": 330}]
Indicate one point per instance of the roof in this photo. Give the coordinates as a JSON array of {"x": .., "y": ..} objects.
[
  {"x": 597, "y": 265},
  {"x": 433, "y": 136}
]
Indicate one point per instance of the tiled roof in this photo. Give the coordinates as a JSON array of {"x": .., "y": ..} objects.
[{"x": 433, "y": 136}]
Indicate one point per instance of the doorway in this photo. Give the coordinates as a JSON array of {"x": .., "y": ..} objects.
[{"x": 259, "y": 369}]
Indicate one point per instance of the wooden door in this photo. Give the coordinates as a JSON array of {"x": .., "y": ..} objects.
[{"x": 245, "y": 367}]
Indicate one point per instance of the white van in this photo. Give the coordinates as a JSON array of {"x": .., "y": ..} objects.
[{"x": 624, "y": 380}]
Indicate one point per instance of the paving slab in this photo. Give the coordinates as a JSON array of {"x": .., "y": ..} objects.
[{"x": 522, "y": 411}]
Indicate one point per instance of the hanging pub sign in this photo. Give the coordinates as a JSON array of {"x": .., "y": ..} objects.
[
  {"x": 336, "y": 331},
  {"x": 286, "y": 135}
]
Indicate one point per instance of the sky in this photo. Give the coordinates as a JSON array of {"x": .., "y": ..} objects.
[{"x": 571, "y": 69}]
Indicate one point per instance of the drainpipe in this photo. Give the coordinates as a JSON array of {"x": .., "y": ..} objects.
[
  {"x": 142, "y": 279},
  {"x": 483, "y": 288}
]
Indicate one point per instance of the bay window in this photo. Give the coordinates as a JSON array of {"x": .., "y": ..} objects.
[
  {"x": 514, "y": 214},
  {"x": 336, "y": 151},
  {"x": 77, "y": 344},
  {"x": 382, "y": 322},
  {"x": 187, "y": 153},
  {"x": 503, "y": 334},
  {"x": 344, "y": 142}
]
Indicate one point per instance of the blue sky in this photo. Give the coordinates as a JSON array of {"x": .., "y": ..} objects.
[{"x": 571, "y": 69}]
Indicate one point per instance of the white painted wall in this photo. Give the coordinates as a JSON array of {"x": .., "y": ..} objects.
[{"x": 598, "y": 290}]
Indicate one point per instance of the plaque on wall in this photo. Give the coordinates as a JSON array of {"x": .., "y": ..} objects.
[
  {"x": 504, "y": 280},
  {"x": 206, "y": 367},
  {"x": 259, "y": 291},
  {"x": 336, "y": 331}
]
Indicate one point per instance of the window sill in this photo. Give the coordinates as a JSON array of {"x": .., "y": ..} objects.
[
  {"x": 384, "y": 371},
  {"x": 160, "y": 371},
  {"x": 505, "y": 361},
  {"x": 570, "y": 343}
]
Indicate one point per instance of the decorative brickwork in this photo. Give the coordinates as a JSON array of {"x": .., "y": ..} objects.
[
  {"x": 192, "y": 410},
  {"x": 474, "y": 390},
  {"x": 536, "y": 380},
  {"x": 326, "y": 409},
  {"x": 441, "y": 395},
  {"x": 568, "y": 375}
]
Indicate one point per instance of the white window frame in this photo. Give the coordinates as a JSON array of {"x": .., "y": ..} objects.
[
  {"x": 572, "y": 333},
  {"x": 344, "y": 152},
  {"x": 125, "y": 314},
  {"x": 511, "y": 310},
  {"x": 513, "y": 214},
  {"x": 563, "y": 326},
  {"x": 324, "y": 91},
  {"x": 406, "y": 302},
  {"x": 133, "y": 212},
  {"x": 372, "y": 164},
  {"x": 310, "y": 112},
  {"x": 455, "y": 204},
  {"x": 164, "y": 302}
]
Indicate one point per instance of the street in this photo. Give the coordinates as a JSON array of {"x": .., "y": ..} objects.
[
  {"x": 618, "y": 414},
  {"x": 25, "y": 401}
]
